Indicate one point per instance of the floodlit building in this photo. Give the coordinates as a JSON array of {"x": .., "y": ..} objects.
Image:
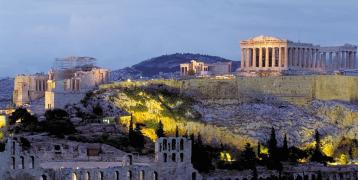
[
  {"x": 28, "y": 88},
  {"x": 66, "y": 83},
  {"x": 266, "y": 55},
  {"x": 201, "y": 69}
]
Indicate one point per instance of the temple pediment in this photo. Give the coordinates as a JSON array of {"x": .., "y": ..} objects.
[{"x": 266, "y": 38}]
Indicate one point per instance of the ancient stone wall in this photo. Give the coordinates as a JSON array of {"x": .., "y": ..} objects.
[{"x": 294, "y": 89}]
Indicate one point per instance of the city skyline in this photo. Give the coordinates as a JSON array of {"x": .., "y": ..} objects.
[{"x": 123, "y": 33}]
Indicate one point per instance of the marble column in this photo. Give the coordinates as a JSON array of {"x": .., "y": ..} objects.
[
  {"x": 299, "y": 57},
  {"x": 324, "y": 61},
  {"x": 354, "y": 60},
  {"x": 242, "y": 58},
  {"x": 303, "y": 58},
  {"x": 279, "y": 57},
  {"x": 254, "y": 57},
  {"x": 247, "y": 60},
  {"x": 273, "y": 57},
  {"x": 337, "y": 60},
  {"x": 314, "y": 58},
  {"x": 260, "y": 57},
  {"x": 267, "y": 57},
  {"x": 343, "y": 59},
  {"x": 286, "y": 57}
]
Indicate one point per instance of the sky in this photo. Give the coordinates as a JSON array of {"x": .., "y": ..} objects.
[{"x": 121, "y": 33}]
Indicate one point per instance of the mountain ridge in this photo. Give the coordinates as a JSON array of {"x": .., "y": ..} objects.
[{"x": 165, "y": 64}]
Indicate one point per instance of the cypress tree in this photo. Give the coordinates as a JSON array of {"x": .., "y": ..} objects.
[
  {"x": 130, "y": 130},
  {"x": 138, "y": 138},
  {"x": 285, "y": 149},
  {"x": 258, "y": 149},
  {"x": 160, "y": 130},
  {"x": 177, "y": 131},
  {"x": 317, "y": 155},
  {"x": 274, "y": 160},
  {"x": 272, "y": 144}
]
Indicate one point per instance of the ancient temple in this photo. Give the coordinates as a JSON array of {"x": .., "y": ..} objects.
[{"x": 275, "y": 56}]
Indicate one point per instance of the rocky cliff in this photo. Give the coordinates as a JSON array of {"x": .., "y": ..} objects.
[{"x": 236, "y": 122}]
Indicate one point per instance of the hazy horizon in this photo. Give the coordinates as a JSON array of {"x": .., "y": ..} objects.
[{"x": 121, "y": 33}]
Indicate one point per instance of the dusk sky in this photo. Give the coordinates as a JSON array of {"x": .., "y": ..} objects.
[{"x": 120, "y": 33}]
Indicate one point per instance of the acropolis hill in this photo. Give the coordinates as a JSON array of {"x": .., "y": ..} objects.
[{"x": 294, "y": 89}]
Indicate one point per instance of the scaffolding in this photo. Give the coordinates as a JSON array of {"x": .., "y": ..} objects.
[{"x": 74, "y": 62}]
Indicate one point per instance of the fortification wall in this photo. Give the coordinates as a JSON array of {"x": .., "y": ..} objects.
[{"x": 294, "y": 89}]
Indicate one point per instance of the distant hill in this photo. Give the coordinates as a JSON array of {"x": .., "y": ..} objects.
[
  {"x": 7, "y": 85},
  {"x": 165, "y": 64}
]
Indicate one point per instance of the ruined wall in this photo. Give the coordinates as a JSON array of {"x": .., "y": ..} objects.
[{"x": 28, "y": 88}]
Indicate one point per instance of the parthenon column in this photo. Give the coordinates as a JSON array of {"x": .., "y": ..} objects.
[
  {"x": 338, "y": 61},
  {"x": 254, "y": 57},
  {"x": 343, "y": 64},
  {"x": 247, "y": 60},
  {"x": 267, "y": 57},
  {"x": 273, "y": 57},
  {"x": 260, "y": 57},
  {"x": 298, "y": 63},
  {"x": 286, "y": 57},
  {"x": 242, "y": 58},
  {"x": 279, "y": 58},
  {"x": 315, "y": 59},
  {"x": 354, "y": 60}
]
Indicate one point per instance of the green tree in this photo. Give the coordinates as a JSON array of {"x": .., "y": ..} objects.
[
  {"x": 160, "y": 130},
  {"x": 18, "y": 114},
  {"x": 296, "y": 154},
  {"x": 201, "y": 157},
  {"x": 130, "y": 130},
  {"x": 284, "y": 154},
  {"x": 97, "y": 110},
  {"x": 177, "y": 131},
  {"x": 273, "y": 159},
  {"x": 248, "y": 157},
  {"x": 258, "y": 149},
  {"x": 318, "y": 155},
  {"x": 138, "y": 136},
  {"x": 58, "y": 123}
]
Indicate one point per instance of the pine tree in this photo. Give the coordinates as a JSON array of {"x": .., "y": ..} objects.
[
  {"x": 248, "y": 157},
  {"x": 285, "y": 149},
  {"x": 177, "y": 131},
  {"x": 160, "y": 130}
]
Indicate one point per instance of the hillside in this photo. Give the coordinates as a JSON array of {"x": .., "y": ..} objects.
[
  {"x": 238, "y": 123},
  {"x": 165, "y": 64}
]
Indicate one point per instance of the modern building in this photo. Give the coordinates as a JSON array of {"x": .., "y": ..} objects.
[
  {"x": 198, "y": 68},
  {"x": 266, "y": 55}
]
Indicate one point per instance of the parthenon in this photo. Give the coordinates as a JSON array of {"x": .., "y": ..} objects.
[{"x": 280, "y": 56}]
